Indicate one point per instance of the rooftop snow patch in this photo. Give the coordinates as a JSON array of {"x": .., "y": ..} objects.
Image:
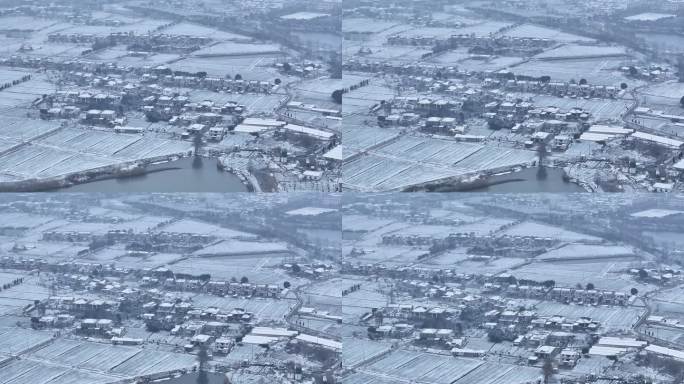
[
  {"x": 310, "y": 211},
  {"x": 656, "y": 213},
  {"x": 304, "y": 16},
  {"x": 649, "y": 16}
]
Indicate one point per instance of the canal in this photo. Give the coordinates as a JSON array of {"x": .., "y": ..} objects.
[
  {"x": 530, "y": 180},
  {"x": 185, "y": 175}
]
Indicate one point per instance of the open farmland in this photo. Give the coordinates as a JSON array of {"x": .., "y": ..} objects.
[
  {"x": 69, "y": 150},
  {"x": 425, "y": 367},
  {"x": 536, "y": 31},
  {"x": 408, "y": 161}
]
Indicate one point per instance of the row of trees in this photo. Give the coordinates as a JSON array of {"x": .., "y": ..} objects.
[
  {"x": 14, "y": 282},
  {"x": 15, "y": 82},
  {"x": 337, "y": 94}
]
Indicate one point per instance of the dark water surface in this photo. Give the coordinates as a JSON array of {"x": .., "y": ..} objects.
[
  {"x": 185, "y": 175},
  {"x": 530, "y": 180}
]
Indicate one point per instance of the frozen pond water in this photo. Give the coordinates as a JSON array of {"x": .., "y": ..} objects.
[
  {"x": 529, "y": 180},
  {"x": 184, "y": 175}
]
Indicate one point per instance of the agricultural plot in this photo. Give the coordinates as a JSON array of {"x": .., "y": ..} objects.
[
  {"x": 23, "y": 220},
  {"x": 374, "y": 238},
  {"x": 329, "y": 327},
  {"x": 330, "y": 288},
  {"x": 451, "y": 257},
  {"x": 318, "y": 89},
  {"x": 392, "y": 255},
  {"x": 357, "y": 139},
  {"x": 93, "y": 142},
  {"x": 136, "y": 225},
  {"x": 150, "y": 60},
  {"x": 79, "y": 377},
  {"x": 9, "y": 75},
  {"x": 66, "y": 151},
  {"x": 374, "y": 173},
  {"x": 604, "y": 275},
  {"x": 47, "y": 250},
  {"x": 450, "y": 369},
  {"x": 423, "y": 367},
  {"x": 150, "y": 361},
  {"x": 8, "y": 144},
  {"x": 6, "y": 277},
  {"x": 488, "y": 64},
  {"x": 85, "y": 355},
  {"x": 493, "y": 159},
  {"x": 599, "y": 71},
  {"x": 251, "y": 67},
  {"x": 238, "y": 248},
  {"x": 359, "y": 223},
  {"x": 196, "y": 30},
  {"x": 331, "y": 305},
  {"x": 365, "y": 378},
  {"x": 408, "y": 161},
  {"x": 532, "y": 229},
  {"x": 570, "y": 51},
  {"x": 611, "y": 318},
  {"x": 147, "y": 147},
  {"x": 257, "y": 269},
  {"x": 398, "y": 54},
  {"x": 73, "y": 164},
  {"x": 201, "y": 228},
  {"x": 426, "y": 150},
  {"x": 24, "y": 22},
  {"x": 17, "y": 340},
  {"x": 494, "y": 373},
  {"x": 360, "y": 99},
  {"x": 494, "y": 266},
  {"x": 668, "y": 93},
  {"x": 598, "y": 108},
  {"x": 238, "y": 49},
  {"x": 138, "y": 26},
  {"x": 55, "y": 349},
  {"x": 591, "y": 366},
  {"x": 588, "y": 252},
  {"x": 357, "y": 351},
  {"x": 263, "y": 309},
  {"x": 451, "y": 56},
  {"x": 364, "y": 25},
  {"x": 25, "y": 371},
  {"x": 57, "y": 51},
  {"x": 152, "y": 261},
  {"x": 483, "y": 227},
  {"x": 357, "y": 303},
  {"x": 537, "y": 31},
  {"x": 15, "y": 98},
  {"x": 486, "y": 28},
  {"x": 24, "y": 294}
]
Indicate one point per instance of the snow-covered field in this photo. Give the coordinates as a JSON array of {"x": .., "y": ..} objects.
[
  {"x": 533, "y": 229},
  {"x": 583, "y": 251},
  {"x": 537, "y": 31},
  {"x": 410, "y": 161},
  {"x": 611, "y": 318},
  {"x": 71, "y": 150},
  {"x": 202, "y": 228}
]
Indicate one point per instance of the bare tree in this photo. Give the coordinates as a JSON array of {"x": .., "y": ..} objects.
[
  {"x": 547, "y": 370},
  {"x": 203, "y": 359}
]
